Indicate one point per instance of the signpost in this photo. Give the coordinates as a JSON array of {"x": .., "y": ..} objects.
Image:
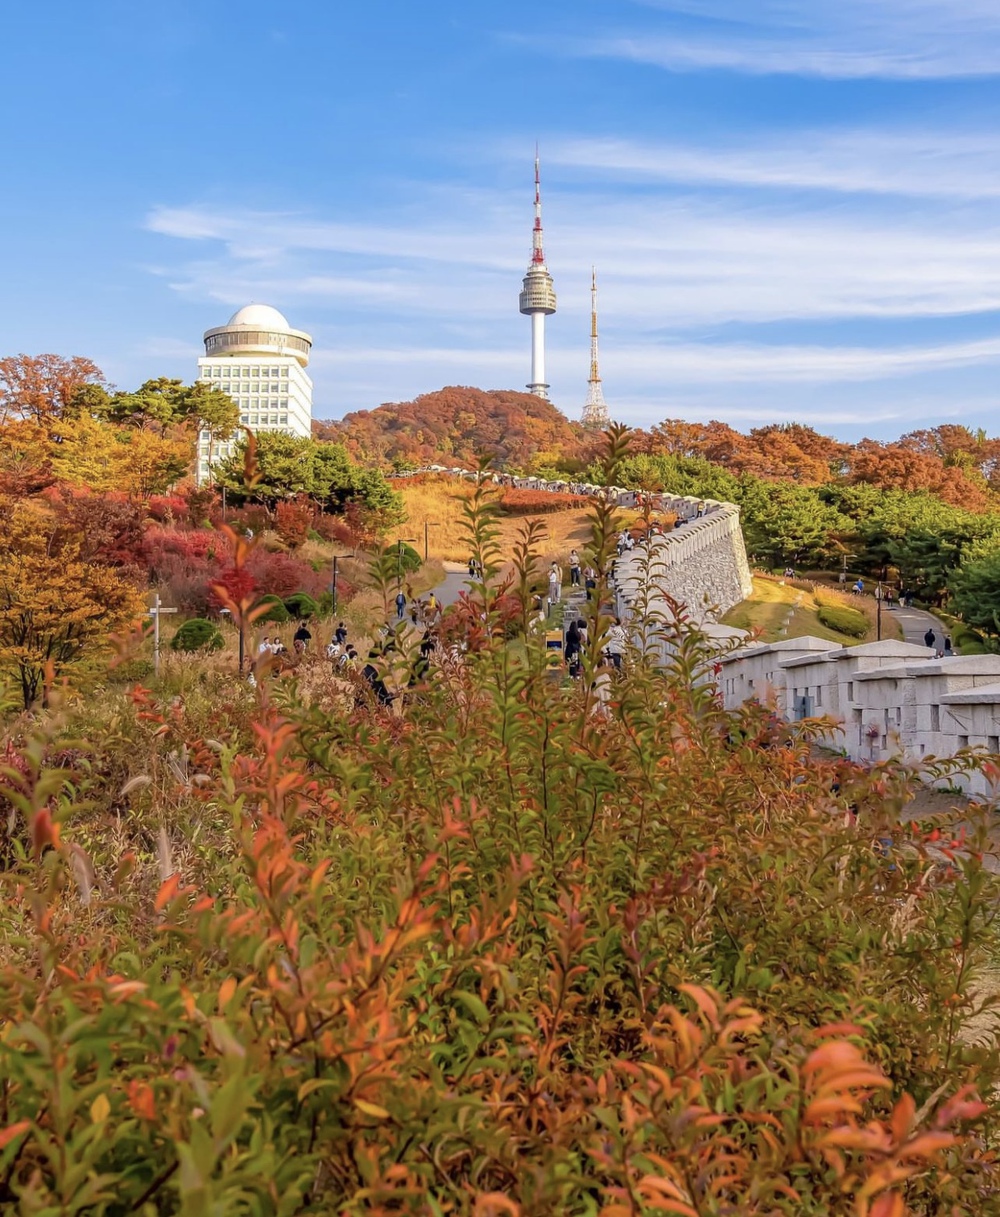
[{"x": 155, "y": 612}]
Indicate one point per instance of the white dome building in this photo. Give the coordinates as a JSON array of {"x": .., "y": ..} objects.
[{"x": 260, "y": 361}]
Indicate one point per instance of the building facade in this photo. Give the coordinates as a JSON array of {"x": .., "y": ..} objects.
[{"x": 260, "y": 362}]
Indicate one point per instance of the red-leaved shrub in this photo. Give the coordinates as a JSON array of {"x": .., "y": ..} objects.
[{"x": 515, "y": 502}]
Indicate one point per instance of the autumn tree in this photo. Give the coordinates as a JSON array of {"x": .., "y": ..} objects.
[
  {"x": 55, "y": 608},
  {"x": 107, "y": 458},
  {"x": 25, "y": 458},
  {"x": 904, "y": 466},
  {"x": 43, "y": 387}
]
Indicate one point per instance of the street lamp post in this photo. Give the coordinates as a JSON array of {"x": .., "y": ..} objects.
[
  {"x": 878, "y": 612},
  {"x": 400, "y": 542}
]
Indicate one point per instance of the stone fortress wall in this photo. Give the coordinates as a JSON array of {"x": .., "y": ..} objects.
[{"x": 701, "y": 563}]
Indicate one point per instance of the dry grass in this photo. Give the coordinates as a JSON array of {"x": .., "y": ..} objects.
[{"x": 439, "y": 503}]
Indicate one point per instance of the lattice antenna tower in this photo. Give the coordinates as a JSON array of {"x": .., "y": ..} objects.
[{"x": 595, "y": 410}]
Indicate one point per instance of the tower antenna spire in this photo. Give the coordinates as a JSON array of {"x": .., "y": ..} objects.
[
  {"x": 595, "y": 410},
  {"x": 537, "y": 252},
  {"x": 538, "y": 297}
]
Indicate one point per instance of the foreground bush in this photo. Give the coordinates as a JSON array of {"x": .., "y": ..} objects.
[{"x": 507, "y": 953}]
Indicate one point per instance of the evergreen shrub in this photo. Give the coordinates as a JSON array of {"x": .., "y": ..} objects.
[
  {"x": 276, "y": 612},
  {"x": 844, "y": 620},
  {"x": 197, "y": 634},
  {"x": 301, "y": 604}
]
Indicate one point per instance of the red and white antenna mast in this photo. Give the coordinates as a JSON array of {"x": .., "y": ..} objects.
[{"x": 537, "y": 253}]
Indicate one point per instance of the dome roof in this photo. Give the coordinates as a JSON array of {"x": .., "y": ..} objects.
[{"x": 261, "y": 316}]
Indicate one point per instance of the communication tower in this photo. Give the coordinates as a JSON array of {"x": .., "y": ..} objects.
[
  {"x": 595, "y": 411},
  {"x": 538, "y": 297}
]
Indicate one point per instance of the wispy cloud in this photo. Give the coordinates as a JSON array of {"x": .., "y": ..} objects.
[
  {"x": 922, "y": 164},
  {"x": 835, "y": 39},
  {"x": 665, "y": 261}
]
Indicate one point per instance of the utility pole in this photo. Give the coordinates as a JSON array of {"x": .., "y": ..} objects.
[
  {"x": 333, "y": 585},
  {"x": 878, "y": 611},
  {"x": 155, "y": 612}
]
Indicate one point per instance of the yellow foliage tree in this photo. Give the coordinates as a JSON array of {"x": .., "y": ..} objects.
[
  {"x": 105, "y": 457},
  {"x": 54, "y": 607}
]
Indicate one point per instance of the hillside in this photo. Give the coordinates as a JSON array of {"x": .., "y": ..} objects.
[{"x": 458, "y": 424}]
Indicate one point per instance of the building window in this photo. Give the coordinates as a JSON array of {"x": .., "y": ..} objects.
[
  {"x": 935, "y": 718},
  {"x": 819, "y": 695},
  {"x": 850, "y": 690},
  {"x": 963, "y": 741},
  {"x": 993, "y": 743},
  {"x": 283, "y": 418}
]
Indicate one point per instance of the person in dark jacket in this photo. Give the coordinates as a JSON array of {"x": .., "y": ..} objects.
[{"x": 370, "y": 675}]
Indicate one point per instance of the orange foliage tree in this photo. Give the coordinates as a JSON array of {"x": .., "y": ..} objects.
[
  {"x": 55, "y": 608},
  {"x": 44, "y": 387}
]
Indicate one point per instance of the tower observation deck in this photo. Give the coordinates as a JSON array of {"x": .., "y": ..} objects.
[
  {"x": 595, "y": 410},
  {"x": 538, "y": 297}
]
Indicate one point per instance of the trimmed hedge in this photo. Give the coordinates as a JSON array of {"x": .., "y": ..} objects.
[
  {"x": 844, "y": 620},
  {"x": 197, "y": 634},
  {"x": 276, "y": 613},
  {"x": 301, "y": 604}
]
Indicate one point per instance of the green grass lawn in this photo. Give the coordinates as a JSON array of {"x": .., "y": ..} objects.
[{"x": 768, "y": 607}]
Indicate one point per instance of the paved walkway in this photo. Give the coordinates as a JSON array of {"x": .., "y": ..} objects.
[
  {"x": 456, "y": 580},
  {"x": 915, "y": 623}
]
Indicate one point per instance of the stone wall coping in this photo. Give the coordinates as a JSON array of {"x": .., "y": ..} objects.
[{"x": 988, "y": 694}]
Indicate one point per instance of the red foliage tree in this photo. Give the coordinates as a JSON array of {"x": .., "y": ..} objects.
[
  {"x": 293, "y": 519},
  {"x": 237, "y": 584}
]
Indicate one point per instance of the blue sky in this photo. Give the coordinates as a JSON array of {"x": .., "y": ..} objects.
[{"x": 795, "y": 214}]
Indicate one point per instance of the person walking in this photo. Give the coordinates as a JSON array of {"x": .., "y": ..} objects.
[
  {"x": 948, "y": 652},
  {"x": 302, "y": 638},
  {"x": 616, "y": 644},
  {"x": 555, "y": 583},
  {"x": 400, "y": 604},
  {"x": 930, "y": 638},
  {"x": 572, "y": 649},
  {"x": 590, "y": 581},
  {"x": 574, "y": 568},
  {"x": 340, "y": 636}
]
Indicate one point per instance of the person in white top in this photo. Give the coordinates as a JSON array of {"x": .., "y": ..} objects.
[
  {"x": 265, "y": 648},
  {"x": 616, "y": 643},
  {"x": 555, "y": 583}
]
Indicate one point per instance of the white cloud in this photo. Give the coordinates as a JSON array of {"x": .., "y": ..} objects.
[
  {"x": 836, "y": 39},
  {"x": 664, "y": 262},
  {"x": 929, "y": 164}
]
